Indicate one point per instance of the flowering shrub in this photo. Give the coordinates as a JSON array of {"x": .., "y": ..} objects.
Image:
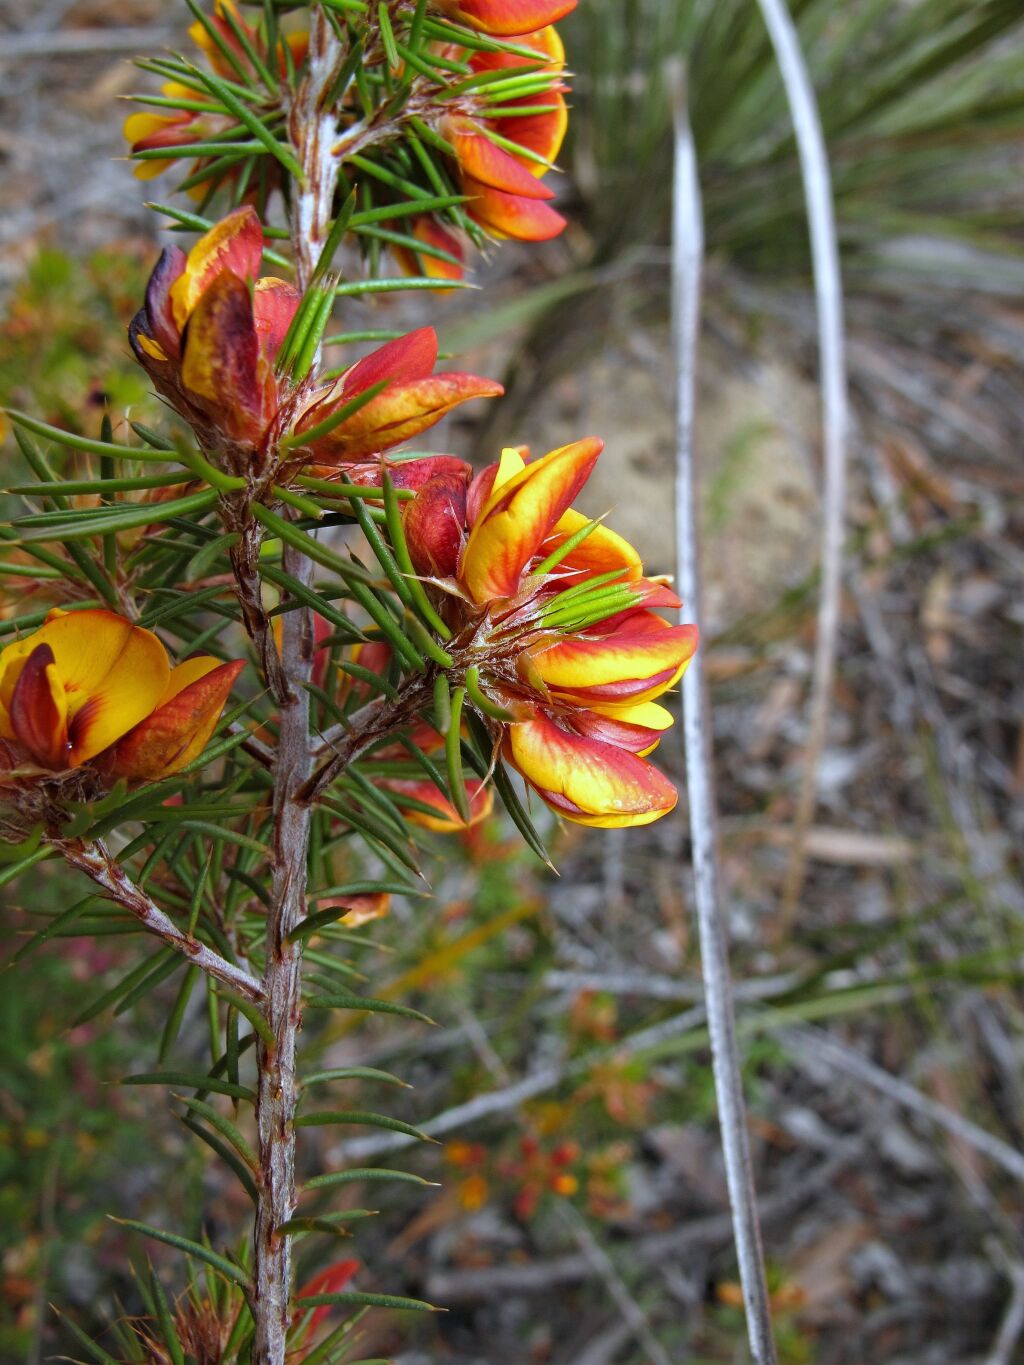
[{"x": 421, "y": 636}]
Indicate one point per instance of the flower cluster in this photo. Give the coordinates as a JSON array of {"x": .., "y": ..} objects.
[
  {"x": 211, "y": 334},
  {"x": 497, "y": 126},
  {"x": 89, "y": 687},
  {"x": 554, "y": 626},
  {"x": 233, "y": 49},
  {"x": 500, "y": 154}
]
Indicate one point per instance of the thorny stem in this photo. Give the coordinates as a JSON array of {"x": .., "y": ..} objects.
[
  {"x": 95, "y": 861},
  {"x": 312, "y": 129}
]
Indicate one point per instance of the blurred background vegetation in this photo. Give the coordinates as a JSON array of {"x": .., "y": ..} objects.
[{"x": 581, "y": 1217}]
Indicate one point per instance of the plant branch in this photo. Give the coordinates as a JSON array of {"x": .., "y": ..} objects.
[
  {"x": 95, "y": 860},
  {"x": 687, "y": 263},
  {"x": 828, "y": 289},
  {"x": 312, "y": 130}
]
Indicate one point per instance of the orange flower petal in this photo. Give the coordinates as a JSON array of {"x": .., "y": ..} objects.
[
  {"x": 588, "y": 781},
  {"x": 431, "y": 233},
  {"x": 505, "y": 18},
  {"x": 637, "y": 728},
  {"x": 518, "y": 517},
  {"x": 402, "y": 361},
  {"x": 540, "y": 133},
  {"x": 601, "y": 552},
  {"x": 443, "y": 818},
  {"x": 178, "y": 730},
  {"x": 400, "y": 412},
  {"x": 480, "y": 159},
  {"x": 511, "y": 215},
  {"x": 234, "y": 244},
  {"x": 274, "y": 303},
  {"x": 637, "y": 661}
]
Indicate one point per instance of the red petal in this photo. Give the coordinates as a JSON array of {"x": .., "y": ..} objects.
[
  {"x": 179, "y": 729},
  {"x": 274, "y": 304},
  {"x": 330, "y": 1281},
  {"x": 588, "y": 781},
  {"x": 434, "y": 525},
  {"x": 220, "y": 363},
  {"x": 505, "y": 18},
  {"x": 445, "y": 819},
  {"x": 403, "y": 360},
  {"x": 38, "y": 710},
  {"x": 431, "y": 233},
  {"x": 399, "y": 413},
  {"x": 160, "y": 324},
  {"x": 519, "y": 516}
]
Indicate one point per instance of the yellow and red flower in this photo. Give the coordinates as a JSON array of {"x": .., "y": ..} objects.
[
  {"x": 557, "y": 618},
  {"x": 506, "y": 195},
  {"x": 91, "y": 686},
  {"x": 210, "y": 333},
  {"x": 496, "y": 156},
  {"x": 413, "y": 400},
  {"x": 146, "y": 130}
]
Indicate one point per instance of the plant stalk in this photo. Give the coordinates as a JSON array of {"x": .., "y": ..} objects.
[{"x": 312, "y": 130}]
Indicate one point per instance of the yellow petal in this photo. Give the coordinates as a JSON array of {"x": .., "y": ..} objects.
[
  {"x": 113, "y": 675},
  {"x": 518, "y": 516},
  {"x": 588, "y": 781}
]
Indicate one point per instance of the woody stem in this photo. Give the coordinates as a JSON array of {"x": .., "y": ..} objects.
[{"x": 312, "y": 129}]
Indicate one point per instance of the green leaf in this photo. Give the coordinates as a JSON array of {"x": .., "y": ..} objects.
[
  {"x": 196, "y": 1079},
  {"x": 251, "y": 1012},
  {"x": 361, "y": 1118},
  {"x": 57, "y": 925},
  {"x": 453, "y": 756},
  {"x": 354, "y": 1174},
  {"x": 95, "y": 1350},
  {"x": 201, "y": 1253},
  {"x": 362, "y": 1002},
  {"x": 354, "y": 1298},
  {"x": 355, "y": 1073},
  {"x": 101, "y": 521},
  {"x": 124, "y": 986},
  {"x": 327, "y": 1222},
  {"x": 225, "y": 1127},
  {"x": 245, "y": 116}
]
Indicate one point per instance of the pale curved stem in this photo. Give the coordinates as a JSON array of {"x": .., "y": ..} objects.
[
  {"x": 687, "y": 263},
  {"x": 828, "y": 291}
]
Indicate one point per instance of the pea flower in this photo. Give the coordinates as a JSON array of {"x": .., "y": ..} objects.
[
  {"x": 91, "y": 687},
  {"x": 146, "y": 130},
  {"x": 499, "y": 158},
  {"x": 209, "y": 335},
  {"x": 414, "y": 399},
  {"x": 506, "y": 195},
  {"x": 506, "y": 18},
  {"x": 553, "y": 622}
]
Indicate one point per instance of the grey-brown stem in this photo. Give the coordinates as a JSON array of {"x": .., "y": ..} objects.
[
  {"x": 95, "y": 861},
  {"x": 312, "y": 131}
]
